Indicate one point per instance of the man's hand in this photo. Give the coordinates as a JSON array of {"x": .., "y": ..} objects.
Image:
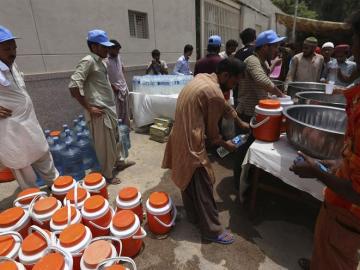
[
  {"x": 114, "y": 88},
  {"x": 332, "y": 165},
  {"x": 306, "y": 169},
  {"x": 241, "y": 124},
  {"x": 230, "y": 146},
  {"x": 338, "y": 90},
  {"x": 5, "y": 113},
  {"x": 276, "y": 91},
  {"x": 95, "y": 111}
]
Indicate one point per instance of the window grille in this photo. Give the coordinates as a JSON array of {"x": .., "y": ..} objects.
[{"x": 138, "y": 24}]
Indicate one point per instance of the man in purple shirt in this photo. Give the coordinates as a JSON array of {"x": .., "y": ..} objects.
[{"x": 209, "y": 63}]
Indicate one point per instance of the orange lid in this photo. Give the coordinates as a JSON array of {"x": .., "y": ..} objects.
[
  {"x": 128, "y": 193},
  {"x": 96, "y": 252},
  {"x": 269, "y": 104},
  {"x": 8, "y": 265},
  {"x": 11, "y": 216},
  {"x": 93, "y": 179},
  {"x": 60, "y": 217},
  {"x": 115, "y": 267},
  {"x": 72, "y": 235},
  {"x": 34, "y": 243},
  {"x": 63, "y": 181},
  {"x": 94, "y": 203},
  {"x": 27, "y": 192},
  {"x": 7, "y": 243},
  {"x": 124, "y": 219},
  {"x": 55, "y": 133},
  {"x": 158, "y": 199},
  {"x": 45, "y": 205},
  {"x": 51, "y": 261},
  {"x": 81, "y": 193}
]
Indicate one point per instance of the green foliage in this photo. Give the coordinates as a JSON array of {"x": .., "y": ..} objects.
[
  {"x": 288, "y": 6},
  {"x": 330, "y": 10}
]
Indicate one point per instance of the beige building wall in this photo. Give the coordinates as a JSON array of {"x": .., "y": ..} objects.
[{"x": 53, "y": 32}]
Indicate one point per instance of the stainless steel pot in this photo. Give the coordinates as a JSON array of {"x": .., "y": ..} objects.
[
  {"x": 318, "y": 131},
  {"x": 320, "y": 98},
  {"x": 279, "y": 84},
  {"x": 294, "y": 87}
]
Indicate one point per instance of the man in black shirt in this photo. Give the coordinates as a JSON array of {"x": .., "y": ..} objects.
[{"x": 248, "y": 37}]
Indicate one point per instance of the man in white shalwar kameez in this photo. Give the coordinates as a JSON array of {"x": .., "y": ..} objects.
[{"x": 23, "y": 146}]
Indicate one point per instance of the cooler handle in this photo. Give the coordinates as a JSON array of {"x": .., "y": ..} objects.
[
  {"x": 13, "y": 233},
  {"x": 110, "y": 238},
  {"x": 37, "y": 229},
  {"x": 172, "y": 222},
  {"x": 29, "y": 196},
  {"x": 143, "y": 234},
  {"x": 262, "y": 122},
  {"x": 3, "y": 258},
  {"x": 116, "y": 259},
  {"x": 67, "y": 202},
  {"x": 65, "y": 253},
  {"x": 32, "y": 204},
  {"x": 97, "y": 226}
]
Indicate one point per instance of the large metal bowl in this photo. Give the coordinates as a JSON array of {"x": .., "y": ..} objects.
[
  {"x": 320, "y": 98},
  {"x": 318, "y": 131},
  {"x": 295, "y": 87},
  {"x": 279, "y": 84}
]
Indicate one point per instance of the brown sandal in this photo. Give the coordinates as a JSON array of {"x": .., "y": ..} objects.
[{"x": 113, "y": 181}]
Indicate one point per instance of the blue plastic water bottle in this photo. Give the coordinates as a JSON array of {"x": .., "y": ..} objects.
[
  {"x": 81, "y": 120},
  {"x": 72, "y": 162},
  {"x": 76, "y": 126},
  {"x": 87, "y": 151},
  {"x": 49, "y": 139},
  {"x": 124, "y": 136},
  {"x": 85, "y": 131},
  {"x": 56, "y": 150}
]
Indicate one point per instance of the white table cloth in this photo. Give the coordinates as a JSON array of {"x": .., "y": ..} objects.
[{"x": 276, "y": 159}]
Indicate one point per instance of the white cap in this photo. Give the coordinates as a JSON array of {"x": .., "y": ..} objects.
[{"x": 328, "y": 45}]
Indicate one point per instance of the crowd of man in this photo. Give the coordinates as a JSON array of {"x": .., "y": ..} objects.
[{"x": 99, "y": 85}]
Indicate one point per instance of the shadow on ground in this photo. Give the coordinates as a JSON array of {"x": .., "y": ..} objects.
[{"x": 280, "y": 233}]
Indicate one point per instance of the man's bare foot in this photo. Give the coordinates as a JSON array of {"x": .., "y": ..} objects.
[
  {"x": 113, "y": 181},
  {"x": 122, "y": 165}
]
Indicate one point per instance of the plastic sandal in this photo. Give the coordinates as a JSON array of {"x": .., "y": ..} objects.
[
  {"x": 304, "y": 263},
  {"x": 226, "y": 238}
]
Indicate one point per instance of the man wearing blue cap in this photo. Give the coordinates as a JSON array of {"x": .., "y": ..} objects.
[
  {"x": 22, "y": 142},
  {"x": 91, "y": 87},
  {"x": 255, "y": 86},
  {"x": 209, "y": 63}
]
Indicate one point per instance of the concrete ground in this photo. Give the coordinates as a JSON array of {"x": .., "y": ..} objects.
[{"x": 281, "y": 232}]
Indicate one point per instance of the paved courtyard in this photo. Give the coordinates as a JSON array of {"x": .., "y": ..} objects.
[{"x": 280, "y": 233}]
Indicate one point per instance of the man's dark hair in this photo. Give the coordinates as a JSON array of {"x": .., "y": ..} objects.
[
  {"x": 116, "y": 43},
  {"x": 248, "y": 35},
  {"x": 90, "y": 43},
  {"x": 231, "y": 43},
  {"x": 155, "y": 52},
  {"x": 354, "y": 22},
  {"x": 211, "y": 48},
  {"x": 188, "y": 48},
  {"x": 232, "y": 66}
]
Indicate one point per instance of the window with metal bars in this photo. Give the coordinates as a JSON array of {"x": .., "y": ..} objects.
[
  {"x": 138, "y": 24},
  {"x": 221, "y": 21}
]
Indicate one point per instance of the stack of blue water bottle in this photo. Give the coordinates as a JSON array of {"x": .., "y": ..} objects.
[{"x": 73, "y": 152}]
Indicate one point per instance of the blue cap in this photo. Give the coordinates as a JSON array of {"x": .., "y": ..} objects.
[
  {"x": 214, "y": 40},
  {"x": 100, "y": 37},
  {"x": 5, "y": 34},
  {"x": 267, "y": 37}
]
